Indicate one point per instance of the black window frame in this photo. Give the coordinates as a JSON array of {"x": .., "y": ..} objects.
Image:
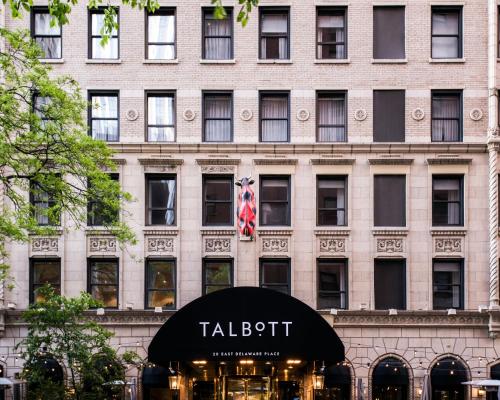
[
  {"x": 44, "y": 10},
  {"x": 101, "y": 10},
  {"x": 344, "y": 293},
  {"x": 265, "y": 260},
  {"x": 160, "y": 11},
  {"x": 333, "y": 9},
  {"x": 264, "y": 93},
  {"x": 32, "y": 284},
  {"x": 461, "y": 263},
  {"x": 160, "y": 93},
  {"x": 156, "y": 176},
  {"x": 216, "y": 93},
  {"x": 50, "y": 202},
  {"x": 404, "y": 294},
  {"x": 345, "y": 178},
  {"x": 208, "y": 177},
  {"x": 274, "y": 10},
  {"x": 91, "y": 215},
  {"x": 288, "y": 202},
  {"x": 460, "y": 36},
  {"x": 205, "y": 12},
  {"x": 90, "y": 285},
  {"x": 147, "y": 289},
  {"x": 459, "y": 94},
  {"x": 331, "y": 94},
  {"x": 90, "y": 118},
  {"x": 207, "y": 260},
  {"x": 461, "y": 200}
]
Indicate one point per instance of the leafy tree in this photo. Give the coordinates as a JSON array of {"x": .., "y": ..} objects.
[
  {"x": 60, "y": 332},
  {"x": 45, "y": 150}
]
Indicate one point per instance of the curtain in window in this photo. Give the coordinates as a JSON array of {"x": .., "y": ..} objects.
[
  {"x": 274, "y": 25},
  {"x": 274, "y": 119},
  {"x": 446, "y": 26},
  {"x": 217, "y": 119},
  {"x": 170, "y": 214},
  {"x": 334, "y": 197},
  {"x": 161, "y": 30},
  {"x": 446, "y": 118},
  {"x": 105, "y": 118},
  {"x": 48, "y": 37},
  {"x": 161, "y": 119},
  {"x": 331, "y": 29},
  {"x": 452, "y": 187},
  {"x": 110, "y": 49},
  {"x": 217, "y": 38},
  {"x": 331, "y": 120}
]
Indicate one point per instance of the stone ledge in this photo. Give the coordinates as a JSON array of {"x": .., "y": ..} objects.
[
  {"x": 332, "y": 232},
  {"x": 390, "y": 232},
  {"x": 333, "y": 161},
  {"x": 275, "y": 161},
  {"x": 449, "y": 161},
  {"x": 160, "y": 232},
  {"x": 448, "y": 232},
  {"x": 160, "y": 161},
  {"x": 390, "y": 161},
  {"x": 217, "y": 232},
  {"x": 119, "y": 161},
  {"x": 218, "y": 161},
  {"x": 275, "y": 232}
]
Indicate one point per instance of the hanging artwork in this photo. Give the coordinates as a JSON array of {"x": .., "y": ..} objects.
[{"x": 246, "y": 211}]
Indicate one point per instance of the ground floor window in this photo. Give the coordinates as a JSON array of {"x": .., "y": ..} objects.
[
  {"x": 390, "y": 380},
  {"x": 337, "y": 384},
  {"x": 447, "y": 376}
]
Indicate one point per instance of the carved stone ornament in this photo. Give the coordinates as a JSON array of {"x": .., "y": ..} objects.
[
  {"x": 332, "y": 245},
  {"x": 160, "y": 245},
  {"x": 217, "y": 245},
  {"x": 303, "y": 114},
  {"x": 360, "y": 114},
  {"x": 448, "y": 245},
  {"x": 390, "y": 245},
  {"x": 189, "y": 114},
  {"x": 132, "y": 114},
  {"x": 418, "y": 114},
  {"x": 44, "y": 244},
  {"x": 217, "y": 169},
  {"x": 246, "y": 114},
  {"x": 476, "y": 114},
  {"x": 274, "y": 245},
  {"x": 102, "y": 244}
]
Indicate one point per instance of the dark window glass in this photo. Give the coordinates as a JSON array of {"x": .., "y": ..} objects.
[
  {"x": 388, "y": 115},
  {"x": 217, "y": 117},
  {"x": 161, "y": 117},
  {"x": 332, "y": 200},
  {"x": 390, "y": 274},
  {"x": 161, "y": 34},
  {"x": 218, "y": 200},
  {"x": 495, "y": 372},
  {"x": 96, "y": 49},
  {"x": 160, "y": 283},
  {"x": 275, "y": 200},
  {"x": 388, "y": 32},
  {"x": 447, "y": 282},
  {"x": 390, "y": 380},
  {"x": 331, "y": 119},
  {"x": 274, "y": 33},
  {"x": 161, "y": 195},
  {"x": 217, "y": 275},
  {"x": 447, "y": 200},
  {"x": 103, "y": 281},
  {"x": 390, "y": 200},
  {"x": 331, "y": 33},
  {"x": 44, "y": 272},
  {"x": 97, "y": 212},
  {"x": 274, "y": 118},
  {"x": 447, "y": 376},
  {"x": 43, "y": 205},
  {"x": 446, "y": 116},
  {"x": 275, "y": 274},
  {"x": 217, "y": 35},
  {"x": 337, "y": 384},
  {"x": 332, "y": 284},
  {"x": 446, "y": 32},
  {"x": 48, "y": 37},
  {"x": 103, "y": 116}
]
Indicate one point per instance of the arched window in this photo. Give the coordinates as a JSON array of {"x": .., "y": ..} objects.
[
  {"x": 51, "y": 369},
  {"x": 494, "y": 374},
  {"x": 447, "y": 376},
  {"x": 337, "y": 383},
  {"x": 390, "y": 380}
]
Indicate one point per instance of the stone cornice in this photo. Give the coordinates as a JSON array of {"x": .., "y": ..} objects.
[
  {"x": 275, "y": 161},
  {"x": 448, "y": 232},
  {"x": 217, "y": 161},
  {"x": 119, "y": 161},
  {"x": 390, "y": 161},
  {"x": 389, "y": 232},
  {"x": 449, "y": 161},
  {"x": 332, "y": 232},
  {"x": 275, "y": 232},
  {"x": 155, "y": 162},
  {"x": 53, "y": 233},
  {"x": 218, "y": 232},
  {"x": 161, "y": 232},
  {"x": 98, "y": 232},
  {"x": 333, "y": 161}
]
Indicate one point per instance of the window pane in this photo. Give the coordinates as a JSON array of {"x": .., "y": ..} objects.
[
  {"x": 46, "y": 272},
  {"x": 331, "y": 118},
  {"x": 161, "y": 28},
  {"x": 389, "y": 115},
  {"x": 104, "y": 107},
  {"x": 217, "y": 106},
  {"x": 51, "y": 47},
  {"x": 446, "y": 23},
  {"x": 388, "y": 32},
  {"x": 105, "y": 130},
  {"x": 447, "y": 284},
  {"x": 160, "y": 110},
  {"x": 109, "y": 50},
  {"x": 104, "y": 272},
  {"x": 161, "y": 134},
  {"x": 161, "y": 274},
  {"x": 446, "y": 106},
  {"x": 218, "y": 273},
  {"x": 332, "y": 282},
  {"x": 274, "y": 107},
  {"x": 161, "y": 298},
  {"x": 274, "y": 48},
  {"x": 274, "y": 189},
  {"x": 390, "y": 274},
  {"x": 42, "y": 25},
  {"x": 108, "y": 295},
  {"x": 390, "y": 200},
  {"x": 274, "y": 273},
  {"x": 274, "y": 23},
  {"x": 331, "y": 51},
  {"x": 98, "y": 24},
  {"x": 218, "y": 189},
  {"x": 445, "y": 47},
  {"x": 331, "y": 201},
  {"x": 161, "y": 52},
  {"x": 161, "y": 193}
]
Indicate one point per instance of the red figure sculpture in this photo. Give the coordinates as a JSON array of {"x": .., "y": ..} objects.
[{"x": 246, "y": 211}]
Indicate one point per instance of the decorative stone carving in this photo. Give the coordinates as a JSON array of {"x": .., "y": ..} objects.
[
  {"x": 332, "y": 245},
  {"x": 102, "y": 244},
  {"x": 217, "y": 245},
  {"x": 476, "y": 114},
  {"x": 448, "y": 245},
  {"x": 217, "y": 169},
  {"x": 246, "y": 114},
  {"x": 188, "y": 114},
  {"x": 274, "y": 245},
  {"x": 390, "y": 245},
  {"x": 360, "y": 114},
  {"x": 160, "y": 244},
  {"x": 45, "y": 244},
  {"x": 275, "y": 161},
  {"x": 132, "y": 114},
  {"x": 303, "y": 114},
  {"x": 418, "y": 114}
]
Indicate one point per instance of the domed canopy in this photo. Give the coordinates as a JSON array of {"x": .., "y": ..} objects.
[{"x": 245, "y": 322}]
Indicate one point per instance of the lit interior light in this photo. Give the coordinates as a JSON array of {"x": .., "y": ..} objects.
[
  {"x": 200, "y": 362},
  {"x": 246, "y": 362},
  {"x": 294, "y": 362}
]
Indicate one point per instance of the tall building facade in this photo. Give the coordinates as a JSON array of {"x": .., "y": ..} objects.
[{"x": 369, "y": 129}]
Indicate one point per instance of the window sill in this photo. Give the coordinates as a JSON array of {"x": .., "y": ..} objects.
[
  {"x": 332, "y": 231},
  {"x": 160, "y": 230},
  {"x": 174, "y": 61},
  {"x": 51, "y": 60},
  {"x": 446, "y": 60},
  {"x": 102, "y": 61},
  {"x": 275, "y": 231},
  {"x": 333, "y": 61},
  {"x": 274, "y": 62},
  {"x": 390, "y": 231},
  {"x": 448, "y": 230},
  {"x": 232, "y": 61},
  {"x": 218, "y": 230},
  {"x": 389, "y": 61}
]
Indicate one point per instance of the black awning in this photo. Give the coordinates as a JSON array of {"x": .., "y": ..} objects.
[{"x": 245, "y": 322}]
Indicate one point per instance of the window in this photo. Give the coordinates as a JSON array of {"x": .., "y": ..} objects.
[
  {"x": 274, "y": 117},
  {"x": 446, "y": 116},
  {"x": 389, "y": 200},
  {"x": 217, "y": 275},
  {"x": 390, "y": 380},
  {"x": 390, "y": 274},
  {"x": 332, "y": 200},
  {"x": 447, "y": 282},
  {"x": 43, "y": 205},
  {"x": 217, "y": 35},
  {"x": 275, "y": 274},
  {"x": 331, "y": 116},
  {"x": 103, "y": 281},
  {"x": 337, "y": 384},
  {"x": 97, "y": 212},
  {"x": 96, "y": 49},
  {"x": 41, "y": 107},
  {"x": 48, "y": 37},
  {"x": 160, "y": 283},
  {"x": 217, "y": 117},
  {"x": 274, "y": 33},
  {"x": 218, "y": 200},
  {"x": 447, "y": 200},
  {"x": 332, "y": 284},
  {"x": 160, "y": 198},
  {"x": 389, "y": 115},
  {"x": 388, "y": 32},
  {"x": 161, "y": 117},
  {"x": 331, "y": 33},
  {"x": 446, "y": 32},
  {"x": 275, "y": 200},
  {"x": 160, "y": 31},
  {"x": 103, "y": 116},
  {"x": 42, "y": 272},
  {"x": 446, "y": 380}
]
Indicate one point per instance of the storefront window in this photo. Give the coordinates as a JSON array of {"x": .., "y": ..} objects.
[
  {"x": 217, "y": 275},
  {"x": 447, "y": 376},
  {"x": 390, "y": 380},
  {"x": 337, "y": 383}
]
